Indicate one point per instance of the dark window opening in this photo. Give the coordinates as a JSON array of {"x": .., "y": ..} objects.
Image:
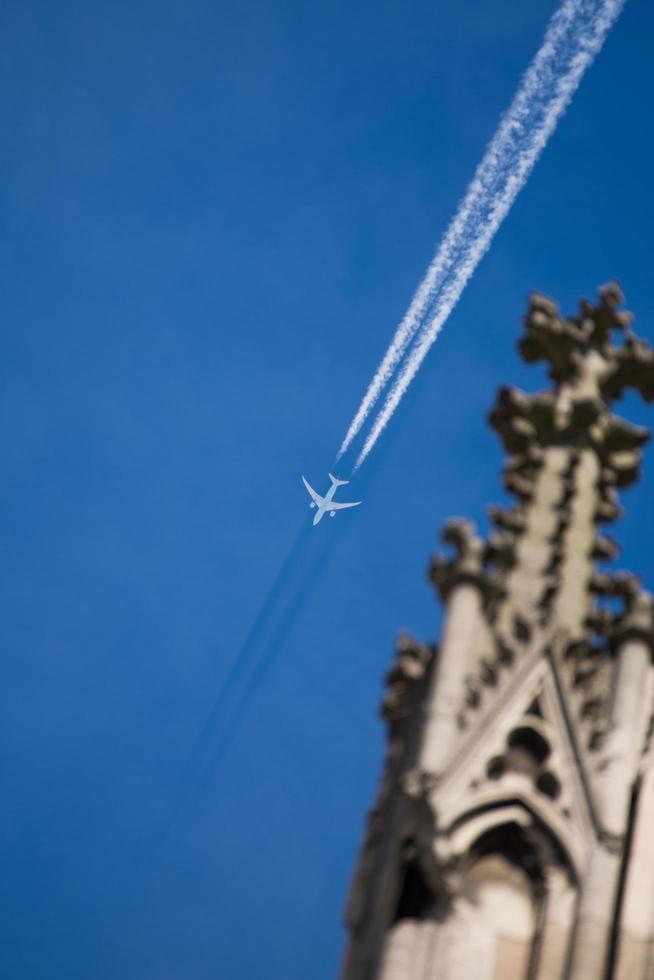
[{"x": 416, "y": 898}]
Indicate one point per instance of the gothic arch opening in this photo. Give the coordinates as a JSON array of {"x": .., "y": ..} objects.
[
  {"x": 507, "y": 914},
  {"x": 416, "y": 899},
  {"x": 501, "y": 906},
  {"x": 496, "y": 910},
  {"x": 409, "y": 949}
]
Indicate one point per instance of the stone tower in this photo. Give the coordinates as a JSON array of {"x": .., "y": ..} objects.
[{"x": 513, "y": 833}]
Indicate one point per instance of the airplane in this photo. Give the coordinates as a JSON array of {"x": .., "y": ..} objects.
[{"x": 327, "y": 504}]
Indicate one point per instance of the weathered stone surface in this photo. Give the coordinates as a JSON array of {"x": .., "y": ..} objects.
[{"x": 520, "y": 757}]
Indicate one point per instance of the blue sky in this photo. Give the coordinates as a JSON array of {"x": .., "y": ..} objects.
[{"x": 213, "y": 217}]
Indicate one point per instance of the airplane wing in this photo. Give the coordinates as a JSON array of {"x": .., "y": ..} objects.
[
  {"x": 336, "y": 506},
  {"x": 317, "y": 499}
]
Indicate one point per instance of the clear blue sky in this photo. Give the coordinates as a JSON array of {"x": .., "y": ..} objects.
[{"x": 213, "y": 216}]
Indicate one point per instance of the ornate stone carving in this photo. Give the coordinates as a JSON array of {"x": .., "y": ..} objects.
[
  {"x": 548, "y": 691},
  {"x": 468, "y": 562},
  {"x": 405, "y": 680}
]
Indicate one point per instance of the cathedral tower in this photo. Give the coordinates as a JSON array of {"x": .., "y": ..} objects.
[{"x": 513, "y": 833}]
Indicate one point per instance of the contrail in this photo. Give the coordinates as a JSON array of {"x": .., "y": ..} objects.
[{"x": 573, "y": 38}]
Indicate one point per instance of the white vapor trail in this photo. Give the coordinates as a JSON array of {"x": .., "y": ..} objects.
[{"x": 573, "y": 38}]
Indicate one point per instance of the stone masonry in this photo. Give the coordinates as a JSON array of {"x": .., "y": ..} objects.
[{"x": 513, "y": 833}]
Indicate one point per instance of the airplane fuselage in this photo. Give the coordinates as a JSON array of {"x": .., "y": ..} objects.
[{"x": 324, "y": 507}]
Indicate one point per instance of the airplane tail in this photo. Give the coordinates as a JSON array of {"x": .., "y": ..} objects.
[{"x": 339, "y": 483}]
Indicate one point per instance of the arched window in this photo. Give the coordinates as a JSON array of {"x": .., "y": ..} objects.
[
  {"x": 509, "y": 911},
  {"x": 500, "y": 897}
]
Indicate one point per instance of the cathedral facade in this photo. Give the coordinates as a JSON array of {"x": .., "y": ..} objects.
[{"x": 513, "y": 832}]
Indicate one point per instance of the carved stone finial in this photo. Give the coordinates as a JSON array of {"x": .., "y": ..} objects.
[
  {"x": 468, "y": 561},
  {"x": 567, "y": 345},
  {"x": 405, "y": 680},
  {"x": 637, "y": 622},
  {"x": 633, "y": 368},
  {"x": 560, "y": 341}
]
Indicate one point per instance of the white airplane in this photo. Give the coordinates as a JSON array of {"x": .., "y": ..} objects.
[{"x": 327, "y": 504}]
